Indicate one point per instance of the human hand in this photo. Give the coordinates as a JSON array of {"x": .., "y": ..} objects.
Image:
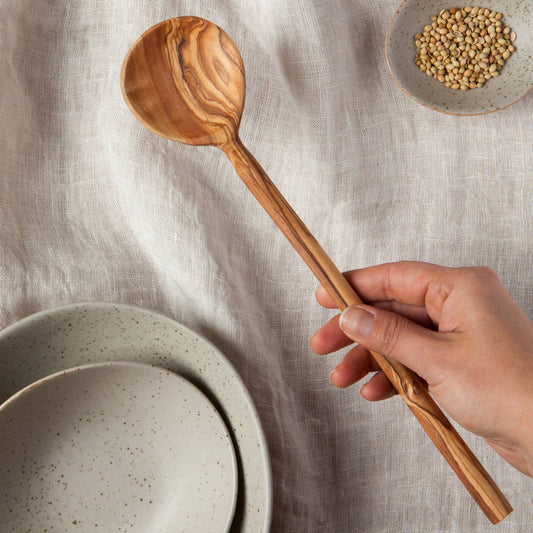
[{"x": 459, "y": 330}]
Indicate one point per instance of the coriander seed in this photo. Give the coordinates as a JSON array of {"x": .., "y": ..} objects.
[{"x": 464, "y": 47}]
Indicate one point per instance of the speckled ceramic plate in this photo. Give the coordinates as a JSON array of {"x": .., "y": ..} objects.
[
  {"x": 78, "y": 334},
  {"x": 514, "y": 81},
  {"x": 118, "y": 446}
]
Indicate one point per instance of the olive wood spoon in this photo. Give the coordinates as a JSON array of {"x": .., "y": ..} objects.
[{"x": 184, "y": 80}]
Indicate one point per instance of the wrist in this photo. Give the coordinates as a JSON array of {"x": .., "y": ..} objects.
[
  {"x": 512, "y": 437},
  {"x": 524, "y": 434},
  {"x": 526, "y": 441}
]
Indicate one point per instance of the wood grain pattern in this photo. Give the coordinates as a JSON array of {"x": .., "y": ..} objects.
[{"x": 184, "y": 80}]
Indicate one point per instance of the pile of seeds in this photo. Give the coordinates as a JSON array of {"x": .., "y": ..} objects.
[{"x": 464, "y": 47}]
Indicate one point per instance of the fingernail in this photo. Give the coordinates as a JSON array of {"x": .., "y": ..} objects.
[
  {"x": 334, "y": 379},
  {"x": 357, "y": 322}
]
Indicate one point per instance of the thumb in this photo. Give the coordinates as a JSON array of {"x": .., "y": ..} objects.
[{"x": 394, "y": 336}]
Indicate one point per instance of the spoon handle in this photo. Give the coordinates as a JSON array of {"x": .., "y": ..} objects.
[{"x": 464, "y": 463}]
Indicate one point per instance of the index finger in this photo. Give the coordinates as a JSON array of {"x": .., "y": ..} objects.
[{"x": 407, "y": 282}]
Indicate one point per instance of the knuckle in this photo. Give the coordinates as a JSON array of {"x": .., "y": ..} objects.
[
  {"x": 485, "y": 274},
  {"x": 391, "y": 333},
  {"x": 479, "y": 277}
]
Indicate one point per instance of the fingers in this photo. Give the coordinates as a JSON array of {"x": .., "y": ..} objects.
[
  {"x": 408, "y": 301},
  {"x": 378, "y": 388},
  {"x": 415, "y": 313},
  {"x": 330, "y": 337},
  {"x": 357, "y": 364},
  {"x": 395, "y": 336},
  {"x": 384, "y": 332},
  {"x": 406, "y": 282}
]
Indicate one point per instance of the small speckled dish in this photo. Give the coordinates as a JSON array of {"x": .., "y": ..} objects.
[
  {"x": 514, "y": 81},
  {"x": 117, "y": 446},
  {"x": 79, "y": 334}
]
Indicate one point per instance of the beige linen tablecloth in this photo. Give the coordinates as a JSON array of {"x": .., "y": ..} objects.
[{"x": 93, "y": 207}]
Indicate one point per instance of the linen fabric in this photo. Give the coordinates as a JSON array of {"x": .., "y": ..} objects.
[{"x": 94, "y": 207}]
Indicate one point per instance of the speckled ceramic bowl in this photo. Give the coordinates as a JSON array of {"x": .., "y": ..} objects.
[
  {"x": 77, "y": 334},
  {"x": 118, "y": 446},
  {"x": 514, "y": 81}
]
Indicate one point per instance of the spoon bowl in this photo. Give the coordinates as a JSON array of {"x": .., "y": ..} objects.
[{"x": 184, "y": 80}]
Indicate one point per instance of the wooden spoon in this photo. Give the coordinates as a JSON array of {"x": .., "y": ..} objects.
[{"x": 184, "y": 80}]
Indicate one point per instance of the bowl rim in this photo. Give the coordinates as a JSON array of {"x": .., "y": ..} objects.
[{"x": 453, "y": 113}]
